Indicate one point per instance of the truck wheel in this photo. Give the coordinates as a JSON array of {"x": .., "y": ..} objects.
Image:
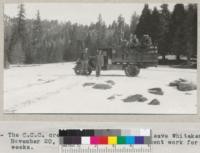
[
  {"x": 89, "y": 71},
  {"x": 77, "y": 69},
  {"x": 132, "y": 70}
]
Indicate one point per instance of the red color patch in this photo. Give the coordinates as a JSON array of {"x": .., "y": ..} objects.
[{"x": 103, "y": 140}]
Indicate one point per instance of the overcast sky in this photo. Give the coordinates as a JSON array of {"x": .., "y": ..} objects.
[{"x": 82, "y": 13}]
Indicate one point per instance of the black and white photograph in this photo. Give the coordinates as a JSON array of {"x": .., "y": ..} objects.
[{"x": 100, "y": 58}]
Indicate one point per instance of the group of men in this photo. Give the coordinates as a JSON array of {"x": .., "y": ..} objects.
[
  {"x": 145, "y": 42},
  {"x": 134, "y": 44},
  {"x": 85, "y": 61}
]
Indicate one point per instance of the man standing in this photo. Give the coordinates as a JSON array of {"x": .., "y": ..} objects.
[
  {"x": 84, "y": 61},
  {"x": 99, "y": 62}
]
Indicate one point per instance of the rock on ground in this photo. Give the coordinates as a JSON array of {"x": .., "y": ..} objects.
[
  {"x": 154, "y": 102},
  {"x": 111, "y": 82},
  {"x": 114, "y": 96},
  {"x": 186, "y": 86},
  {"x": 156, "y": 91},
  {"x": 134, "y": 98},
  {"x": 102, "y": 86},
  {"x": 183, "y": 85},
  {"x": 143, "y": 99},
  {"x": 111, "y": 98},
  {"x": 88, "y": 84},
  {"x": 176, "y": 82}
]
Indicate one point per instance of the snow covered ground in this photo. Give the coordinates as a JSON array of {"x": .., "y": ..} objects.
[{"x": 54, "y": 88}]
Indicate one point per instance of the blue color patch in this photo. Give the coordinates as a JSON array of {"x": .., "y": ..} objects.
[
  {"x": 130, "y": 140},
  {"x": 139, "y": 140}
]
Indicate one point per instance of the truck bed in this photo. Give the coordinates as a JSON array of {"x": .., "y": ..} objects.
[{"x": 148, "y": 59}]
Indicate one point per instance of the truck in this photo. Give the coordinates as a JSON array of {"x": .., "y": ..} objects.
[{"x": 129, "y": 60}]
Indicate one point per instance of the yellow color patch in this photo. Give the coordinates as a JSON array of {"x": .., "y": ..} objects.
[{"x": 112, "y": 140}]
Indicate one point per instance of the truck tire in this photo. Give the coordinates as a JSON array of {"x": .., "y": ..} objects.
[
  {"x": 77, "y": 70},
  {"x": 132, "y": 70},
  {"x": 89, "y": 70}
]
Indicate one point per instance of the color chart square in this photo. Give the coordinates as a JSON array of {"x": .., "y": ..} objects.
[
  {"x": 85, "y": 140},
  {"x": 147, "y": 140},
  {"x": 139, "y": 140},
  {"x": 112, "y": 140},
  {"x": 94, "y": 140},
  {"x": 130, "y": 140},
  {"x": 145, "y": 132},
  {"x": 103, "y": 140},
  {"x": 121, "y": 140},
  {"x": 67, "y": 140},
  {"x": 76, "y": 140}
]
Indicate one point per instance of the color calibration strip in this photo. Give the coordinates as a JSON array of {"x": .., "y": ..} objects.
[{"x": 105, "y": 137}]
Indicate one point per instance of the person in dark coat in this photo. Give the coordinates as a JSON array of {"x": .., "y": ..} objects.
[
  {"x": 84, "y": 61},
  {"x": 99, "y": 62}
]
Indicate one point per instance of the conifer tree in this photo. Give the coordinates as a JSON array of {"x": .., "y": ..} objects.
[
  {"x": 177, "y": 34},
  {"x": 163, "y": 42},
  {"x": 155, "y": 26},
  {"x": 191, "y": 31},
  {"x": 134, "y": 22},
  {"x": 36, "y": 54},
  {"x": 144, "y": 25},
  {"x": 17, "y": 47}
]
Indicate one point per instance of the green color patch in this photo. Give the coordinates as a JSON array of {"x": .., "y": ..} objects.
[{"x": 121, "y": 140}]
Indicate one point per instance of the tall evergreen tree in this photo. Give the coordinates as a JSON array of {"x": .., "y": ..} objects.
[
  {"x": 121, "y": 33},
  {"x": 121, "y": 26},
  {"x": 177, "y": 34},
  {"x": 115, "y": 36},
  {"x": 74, "y": 41},
  {"x": 191, "y": 31},
  {"x": 66, "y": 32},
  {"x": 36, "y": 52},
  {"x": 21, "y": 27},
  {"x": 119, "y": 30},
  {"x": 127, "y": 32},
  {"x": 134, "y": 22},
  {"x": 100, "y": 30},
  {"x": 144, "y": 25},
  {"x": 155, "y": 26},
  {"x": 17, "y": 47},
  {"x": 7, "y": 36},
  {"x": 163, "y": 42}
]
